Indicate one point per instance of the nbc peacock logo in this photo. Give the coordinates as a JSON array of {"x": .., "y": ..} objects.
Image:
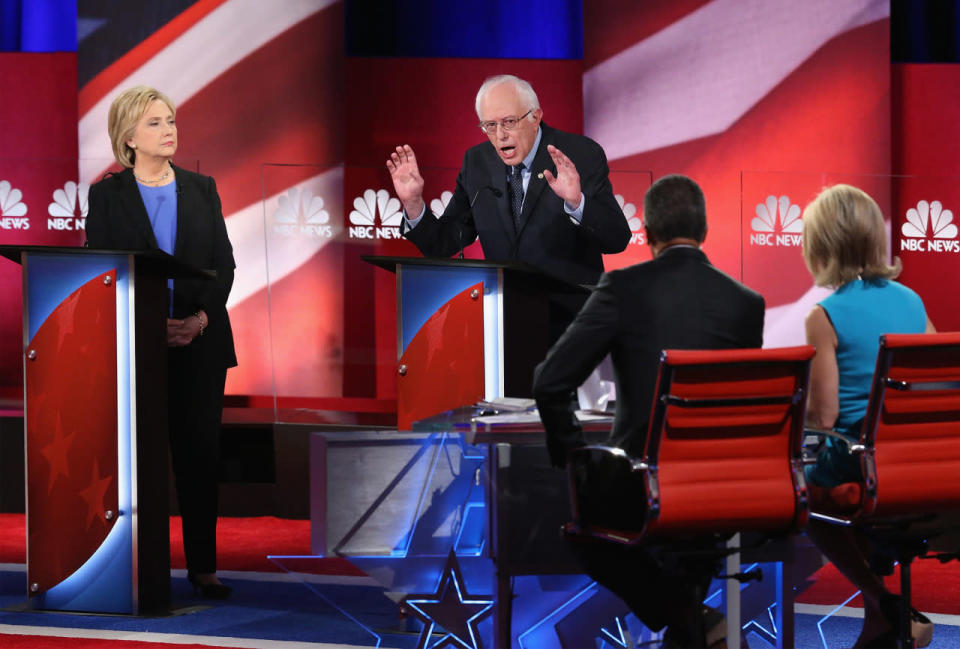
[
  {"x": 375, "y": 215},
  {"x": 13, "y": 213},
  {"x": 637, "y": 235},
  {"x": 777, "y": 223},
  {"x": 68, "y": 211},
  {"x": 438, "y": 205},
  {"x": 929, "y": 228},
  {"x": 300, "y": 213}
]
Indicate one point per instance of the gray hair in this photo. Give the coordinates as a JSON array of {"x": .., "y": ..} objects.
[{"x": 524, "y": 89}]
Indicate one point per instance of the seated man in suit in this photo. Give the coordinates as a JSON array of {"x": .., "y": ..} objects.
[
  {"x": 678, "y": 300},
  {"x": 501, "y": 194}
]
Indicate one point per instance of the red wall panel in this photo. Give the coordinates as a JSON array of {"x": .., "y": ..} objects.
[
  {"x": 38, "y": 155},
  {"x": 926, "y": 118}
]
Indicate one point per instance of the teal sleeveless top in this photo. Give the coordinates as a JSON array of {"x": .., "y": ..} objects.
[{"x": 861, "y": 311}]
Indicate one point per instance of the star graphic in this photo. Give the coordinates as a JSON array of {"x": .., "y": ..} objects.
[
  {"x": 451, "y": 609},
  {"x": 622, "y": 639},
  {"x": 56, "y": 454},
  {"x": 94, "y": 494}
]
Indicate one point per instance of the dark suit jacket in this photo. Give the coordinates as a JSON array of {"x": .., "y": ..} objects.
[
  {"x": 117, "y": 220},
  {"x": 547, "y": 238},
  {"x": 676, "y": 301}
]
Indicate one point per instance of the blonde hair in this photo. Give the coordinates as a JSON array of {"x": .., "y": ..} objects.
[
  {"x": 844, "y": 238},
  {"x": 125, "y": 111}
]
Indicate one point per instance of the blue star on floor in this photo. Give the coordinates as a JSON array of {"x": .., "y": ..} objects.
[{"x": 452, "y": 609}]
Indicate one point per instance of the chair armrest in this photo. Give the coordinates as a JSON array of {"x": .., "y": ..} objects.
[
  {"x": 823, "y": 432},
  {"x": 582, "y": 452},
  {"x": 608, "y": 494},
  {"x": 832, "y": 520}
]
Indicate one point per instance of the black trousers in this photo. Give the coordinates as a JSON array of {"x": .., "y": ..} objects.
[
  {"x": 660, "y": 590},
  {"x": 195, "y": 407},
  {"x": 663, "y": 584}
]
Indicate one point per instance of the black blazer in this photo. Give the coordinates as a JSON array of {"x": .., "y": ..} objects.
[
  {"x": 547, "y": 238},
  {"x": 117, "y": 220},
  {"x": 676, "y": 301}
]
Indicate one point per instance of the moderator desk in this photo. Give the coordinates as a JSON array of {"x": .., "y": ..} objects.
[{"x": 482, "y": 491}]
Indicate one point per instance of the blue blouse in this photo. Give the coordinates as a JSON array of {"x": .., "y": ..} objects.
[{"x": 161, "y": 204}]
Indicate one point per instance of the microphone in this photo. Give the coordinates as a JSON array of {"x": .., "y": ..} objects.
[{"x": 493, "y": 190}]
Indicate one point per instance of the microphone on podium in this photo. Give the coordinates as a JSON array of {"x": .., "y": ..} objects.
[{"x": 493, "y": 190}]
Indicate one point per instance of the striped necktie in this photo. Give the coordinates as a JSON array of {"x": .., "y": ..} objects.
[{"x": 516, "y": 193}]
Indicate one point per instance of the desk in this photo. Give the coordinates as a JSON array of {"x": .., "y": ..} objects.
[
  {"x": 519, "y": 476},
  {"x": 425, "y": 493}
]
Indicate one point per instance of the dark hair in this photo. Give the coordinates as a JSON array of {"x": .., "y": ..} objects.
[{"x": 674, "y": 208}]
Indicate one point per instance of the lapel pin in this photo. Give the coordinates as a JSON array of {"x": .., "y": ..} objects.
[{"x": 540, "y": 175}]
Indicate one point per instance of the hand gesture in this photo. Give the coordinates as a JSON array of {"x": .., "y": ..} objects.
[
  {"x": 566, "y": 184},
  {"x": 407, "y": 181}
]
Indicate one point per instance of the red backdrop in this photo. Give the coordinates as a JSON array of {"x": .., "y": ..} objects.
[{"x": 315, "y": 323}]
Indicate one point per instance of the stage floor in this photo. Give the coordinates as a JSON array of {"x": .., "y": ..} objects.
[{"x": 335, "y": 605}]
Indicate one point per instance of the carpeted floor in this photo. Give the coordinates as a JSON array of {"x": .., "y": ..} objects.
[
  {"x": 245, "y": 543},
  {"x": 328, "y": 603}
]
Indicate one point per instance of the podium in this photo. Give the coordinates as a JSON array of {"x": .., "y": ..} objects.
[
  {"x": 95, "y": 421},
  {"x": 469, "y": 330}
]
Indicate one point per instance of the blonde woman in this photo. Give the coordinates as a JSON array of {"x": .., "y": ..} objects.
[
  {"x": 154, "y": 204},
  {"x": 845, "y": 246}
]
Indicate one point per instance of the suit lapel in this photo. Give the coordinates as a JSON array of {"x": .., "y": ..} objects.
[
  {"x": 134, "y": 208},
  {"x": 182, "y": 210},
  {"x": 541, "y": 161}
]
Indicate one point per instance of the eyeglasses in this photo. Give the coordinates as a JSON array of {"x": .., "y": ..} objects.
[{"x": 508, "y": 124}]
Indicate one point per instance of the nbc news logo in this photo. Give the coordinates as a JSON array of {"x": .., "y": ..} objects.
[
  {"x": 301, "y": 214},
  {"x": 12, "y": 210},
  {"x": 777, "y": 223},
  {"x": 375, "y": 215},
  {"x": 929, "y": 228},
  {"x": 68, "y": 211}
]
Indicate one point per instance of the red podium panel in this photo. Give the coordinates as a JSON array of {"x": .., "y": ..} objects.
[
  {"x": 94, "y": 345},
  {"x": 446, "y": 346},
  {"x": 71, "y": 422},
  {"x": 467, "y": 330}
]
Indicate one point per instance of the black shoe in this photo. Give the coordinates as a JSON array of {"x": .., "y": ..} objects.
[
  {"x": 209, "y": 591},
  {"x": 886, "y": 640},
  {"x": 708, "y": 629}
]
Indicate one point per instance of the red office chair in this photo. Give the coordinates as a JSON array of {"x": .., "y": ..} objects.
[
  {"x": 723, "y": 455},
  {"x": 723, "y": 452},
  {"x": 910, "y": 450}
]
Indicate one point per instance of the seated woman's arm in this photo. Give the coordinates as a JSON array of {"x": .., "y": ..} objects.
[{"x": 823, "y": 404}]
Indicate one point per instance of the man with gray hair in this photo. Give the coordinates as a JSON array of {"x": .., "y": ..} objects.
[{"x": 500, "y": 194}]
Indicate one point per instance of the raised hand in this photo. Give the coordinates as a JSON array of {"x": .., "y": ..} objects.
[
  {"x": 566, "y": 184},
  {"x": 407, "y": 181}
]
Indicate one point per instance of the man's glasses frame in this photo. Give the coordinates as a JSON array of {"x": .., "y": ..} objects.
[{"x": 508, "y": 123}]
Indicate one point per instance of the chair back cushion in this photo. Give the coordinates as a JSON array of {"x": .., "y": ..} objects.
[
  {"x": 725, "y": 441},
  {"x": 912, "y": 429}
]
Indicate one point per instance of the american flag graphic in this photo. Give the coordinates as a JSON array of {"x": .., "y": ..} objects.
[
  {"x": 752, "y": 98},
  {"x": 255, "y": 83}
]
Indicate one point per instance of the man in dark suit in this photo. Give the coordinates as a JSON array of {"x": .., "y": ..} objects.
[
  {"x": 502, "y": 193},
  {"x": 678, "y": 300}
]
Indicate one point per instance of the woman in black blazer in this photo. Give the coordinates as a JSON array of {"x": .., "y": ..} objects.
[{"x": 153, "y": 204}]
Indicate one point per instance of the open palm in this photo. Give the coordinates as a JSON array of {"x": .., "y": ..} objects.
[{"x": 407, "y": 181}]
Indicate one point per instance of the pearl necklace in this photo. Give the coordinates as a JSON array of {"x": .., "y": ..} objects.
[{"x": 161, "y": 178}]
